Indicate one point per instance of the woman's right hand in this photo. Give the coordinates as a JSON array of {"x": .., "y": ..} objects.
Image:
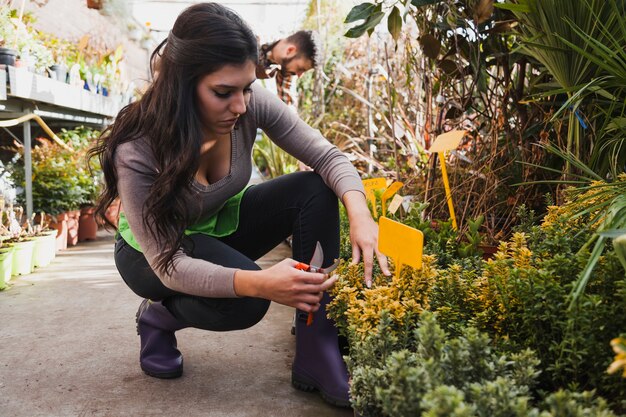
[{"x": 284, "y": 284}]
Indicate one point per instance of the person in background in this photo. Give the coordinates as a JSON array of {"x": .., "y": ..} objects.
[
  {"x": 288, "y": 57},
  {"x": 191, "y": 229}
]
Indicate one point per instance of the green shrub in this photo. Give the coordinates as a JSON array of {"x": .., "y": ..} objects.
[
  {"x": 61, "y": 178},
  {"x": 521, "y": 299},
  {"x": 433, "y": 374}
]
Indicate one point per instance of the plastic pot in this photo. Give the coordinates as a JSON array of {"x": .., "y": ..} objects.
[
  {"x": 7, "y": 56},
  {"x": 23, "y": 257}
]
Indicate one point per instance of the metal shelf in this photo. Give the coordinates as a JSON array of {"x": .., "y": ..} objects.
[
  {"x": 23, "y": 93},
  {"x": 41, "y": 90}
]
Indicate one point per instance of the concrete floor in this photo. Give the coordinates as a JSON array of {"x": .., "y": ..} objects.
[{"x": 68, "y": 347}]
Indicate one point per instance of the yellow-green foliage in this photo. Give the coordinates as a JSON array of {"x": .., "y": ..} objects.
[
  {"x": 520, "y": 298},
  {"x": 358, "y": 309},
  {"x": 586, "y": 207},
  {"x": 494, "y": 292}
]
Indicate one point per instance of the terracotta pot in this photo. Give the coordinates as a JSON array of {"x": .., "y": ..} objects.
[
  {"x": 56, "y": 225},
  {"x": 113, "y": 212},
  {"x": 72, "y": 227},
  {"x": 60, "y": 225},
  {"x": 87, "y": 226}
]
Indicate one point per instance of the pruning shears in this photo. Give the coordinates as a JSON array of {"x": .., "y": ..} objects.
[{"x": 316, "y": 266}]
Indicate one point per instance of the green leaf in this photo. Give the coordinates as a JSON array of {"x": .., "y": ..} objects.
[
  {"x": 360, "y": 12},
  {"x": 369, "y": 25},
  {"x": 394, "y": 23},
  {"x": 422, "y": 3},
  {"x": 613, "y": 233},
  {"x": 356, "y": 31},
  {"x": 521, "y": 7},
  {"x": 617, "y": 123},
  {"x": 583, "y": 278}
]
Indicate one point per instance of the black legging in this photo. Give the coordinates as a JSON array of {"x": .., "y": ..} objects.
[{"x": 298, "y": 204}]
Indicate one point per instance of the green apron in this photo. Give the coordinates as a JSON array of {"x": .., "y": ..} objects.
[{"x": 222, "y": 223}]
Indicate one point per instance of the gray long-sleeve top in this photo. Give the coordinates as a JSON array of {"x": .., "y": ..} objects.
[{"x": 137, "y": 170}]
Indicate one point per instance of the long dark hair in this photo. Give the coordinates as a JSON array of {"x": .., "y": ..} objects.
[{"x": 205, "y": 37}]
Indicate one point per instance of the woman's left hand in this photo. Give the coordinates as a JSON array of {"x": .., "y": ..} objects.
[{"x": 363, "y": 235}]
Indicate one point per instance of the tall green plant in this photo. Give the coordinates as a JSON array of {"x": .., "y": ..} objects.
[
  {"x": 607, "y": 90},
  {"x": 554, "y": 32},
  {"x": 598, "y": 205}
]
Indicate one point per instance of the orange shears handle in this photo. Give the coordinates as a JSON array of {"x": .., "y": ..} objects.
[{"x": 304, "y": 267}]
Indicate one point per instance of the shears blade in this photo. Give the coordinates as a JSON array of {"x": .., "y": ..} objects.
[{"x": 317, "y": 258}]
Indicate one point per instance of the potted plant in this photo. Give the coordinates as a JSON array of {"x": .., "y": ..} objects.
[
  {"x": 23, "y": 245},
  {"x": 19, "y": 35},
  {"x": 6, "y": 264},
  {"x": 88, "y": 179},
  {"x": 61, "y": 50},
  {"x": 6, "y": 255},
  {"x": 55, "y": 189},
  {"x": 87, "y": 225},
  {"x": 8, "y": 53},
  {"x": 61, "y": 181},
  {"x": 45, "y": 242}
]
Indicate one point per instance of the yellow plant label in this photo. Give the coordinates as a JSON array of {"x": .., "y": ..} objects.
[
  {"x": 370, "y": 186},
  {"x": 448, "y": 141},
  {"x": 393, "y": 188},
  {"x": 401, "y": 243}
]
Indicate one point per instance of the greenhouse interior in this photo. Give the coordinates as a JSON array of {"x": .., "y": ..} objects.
[{"x": 375, "y": 208}]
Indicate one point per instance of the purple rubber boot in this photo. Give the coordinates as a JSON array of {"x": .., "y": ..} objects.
[
  {"x": 159, "y": 356},
  {"x": 318, "y": 364}
]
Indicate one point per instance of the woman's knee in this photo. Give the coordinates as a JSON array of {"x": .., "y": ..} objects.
[{"x": 253, "y": 313}]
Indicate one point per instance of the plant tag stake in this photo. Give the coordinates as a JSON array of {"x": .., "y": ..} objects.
[
  {"x": 393, "y": 188},
  {"x": 447, "y": 142},
  {"x": 395, "y": 204},
  {"x": 401, "y": 243},
  {"x": 370, "y": 186}
]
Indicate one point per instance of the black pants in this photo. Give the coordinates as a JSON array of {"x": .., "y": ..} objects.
[{"x": 298, "y": 204}]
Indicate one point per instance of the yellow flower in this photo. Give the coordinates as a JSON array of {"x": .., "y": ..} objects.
[{"x": 619, "y": 347}]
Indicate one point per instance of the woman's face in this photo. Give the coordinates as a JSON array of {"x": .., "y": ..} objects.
[{"x": 224, "y": 95}]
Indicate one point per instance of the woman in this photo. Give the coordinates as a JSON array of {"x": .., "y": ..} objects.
[{"x": 180, "y": 158}]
